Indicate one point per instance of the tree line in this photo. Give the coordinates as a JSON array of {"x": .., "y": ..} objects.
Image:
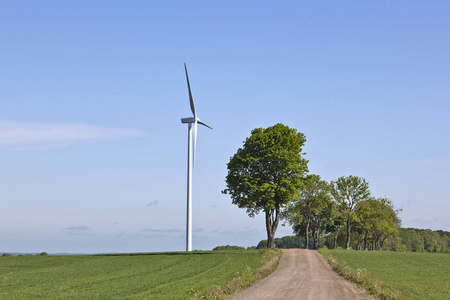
[
  {"x": 420, "y": 240},
  {"x": 344, "y": 206},
  {"x": 270, "y": 174},
  {"x": 407, "y": 240}
]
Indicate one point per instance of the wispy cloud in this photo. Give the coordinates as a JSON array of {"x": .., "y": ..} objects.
[
  {"x": 27, "y": 135},
  {"x": 162, "y": 231},
  {"x": 77, "y": 228},
  {"x": 163, "y": 234},
  {"x": 152, "y": 203}
]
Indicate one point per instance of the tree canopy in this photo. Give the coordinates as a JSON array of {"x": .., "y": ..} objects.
[
  {"x": 377, "y": 219},
  {"x": 348, "y": 192},
  {"x": 311, "y": 211},
  {"x": 267, "y": 173}
]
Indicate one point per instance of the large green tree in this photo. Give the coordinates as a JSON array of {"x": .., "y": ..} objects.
[
  {"x": 348, "y": 192},
  {"x": 267, "y": 173}
]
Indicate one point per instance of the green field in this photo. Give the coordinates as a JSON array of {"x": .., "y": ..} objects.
[
  {"x": 126, "y": 276},
  {"x": 420, "y": 275}
]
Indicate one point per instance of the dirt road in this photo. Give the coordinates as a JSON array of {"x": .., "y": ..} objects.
[{"x": 302, "y": 274}]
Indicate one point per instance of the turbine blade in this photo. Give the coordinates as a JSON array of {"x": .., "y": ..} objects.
[
  {"x": 194, "y": 141},
  {"x": 200, "y": 122},
  {"x": 191, "y": 100}
]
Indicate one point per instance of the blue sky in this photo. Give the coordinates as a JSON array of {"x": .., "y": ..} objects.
[{"x": 93, "y": 153}]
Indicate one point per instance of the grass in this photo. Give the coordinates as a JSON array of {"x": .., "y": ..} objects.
[
  {"x": 395, "y": 275},
  {"x": 127, "y": 276},
  {"x": 270, "y": 261}
]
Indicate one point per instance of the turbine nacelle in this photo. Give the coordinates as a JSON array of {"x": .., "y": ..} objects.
[
  {"x": 191, "y": 120},
  {"x": 188, "y": 120}
]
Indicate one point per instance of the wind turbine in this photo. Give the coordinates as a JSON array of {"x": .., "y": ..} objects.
[{"x": 192, "y": 140}]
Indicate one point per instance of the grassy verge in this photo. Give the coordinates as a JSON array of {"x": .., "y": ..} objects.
[
  {"x": 270, "y": 260},
  {"x": 394, "y": 275},
  {"x": 359, "y": 276},
  {"x": 175, "y": 275}
]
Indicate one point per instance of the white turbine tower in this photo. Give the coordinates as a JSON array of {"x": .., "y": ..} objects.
[{"x": 192, "y": 140}]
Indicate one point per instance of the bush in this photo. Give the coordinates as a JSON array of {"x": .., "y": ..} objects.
[
  {"x": 286, "y": 242},
  {"x": 262, "y": 245},
  {"x": 6, "y": 254},
  {"x": 228, "y": 247},
  {"x": 43, "y": 254}
]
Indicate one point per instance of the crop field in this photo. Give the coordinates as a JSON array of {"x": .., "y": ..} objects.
[
  {"x": 175, "y": 275},
  {"x": 420, "y": 275}
]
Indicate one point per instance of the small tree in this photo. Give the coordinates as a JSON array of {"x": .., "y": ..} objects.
[
  {"x": 348, "y": 192},
  {"x": 312, "y": 210},
  {"x": 267, "y": 173},
  {"x": 385, "y": 221},
  {"x": 335, "y": 224}
]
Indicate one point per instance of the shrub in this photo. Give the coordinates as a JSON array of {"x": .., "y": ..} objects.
[{"x": 228, "y": 247}]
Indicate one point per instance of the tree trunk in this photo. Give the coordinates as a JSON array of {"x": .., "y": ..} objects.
[
  {"x": 316, "y": 239},
  {"x": 381, "y": 243},
  {"x": 272, "y": 219},
  {"x": 366, "y": 247},
  {"x": 373, "y": 241},
  {"x": 377, "y": 242},
  {"x": 335, "y": 239},
  {"x": 270, "y": 240},
  {"x": 307, "y": 235},
  {"x": 349, "y": 231}
]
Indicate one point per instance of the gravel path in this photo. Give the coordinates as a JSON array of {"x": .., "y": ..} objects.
[{"x": 302, "y": 274}]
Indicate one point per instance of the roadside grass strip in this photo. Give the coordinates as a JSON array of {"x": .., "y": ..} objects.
[
  {"x": 394, "y": 275},
  {"x": 172, "y": 275},
  {"x": 270, "y": 260}
]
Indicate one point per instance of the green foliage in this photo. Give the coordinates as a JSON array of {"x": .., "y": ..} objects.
[
  {"x": 312, "y": 210},
  {"x": 420, "y": 275},
  {"x": 368, "y": 221},
  {"x": 285, "y": 242},
  {"x": 377, "y": 221},
  {"x": 6, "y": 254},
  {"x": 228, "y": 247},
  {"x": 420, "y": 240},
  {"x": 262, "y": 245},
  {"x": 267, "y": 173},
  {"x": 348, "y": 192},
  {"x": 43, "y": 254},
  {"x": 132, "y": 276},
  {"x": 289, "y": 242}
]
